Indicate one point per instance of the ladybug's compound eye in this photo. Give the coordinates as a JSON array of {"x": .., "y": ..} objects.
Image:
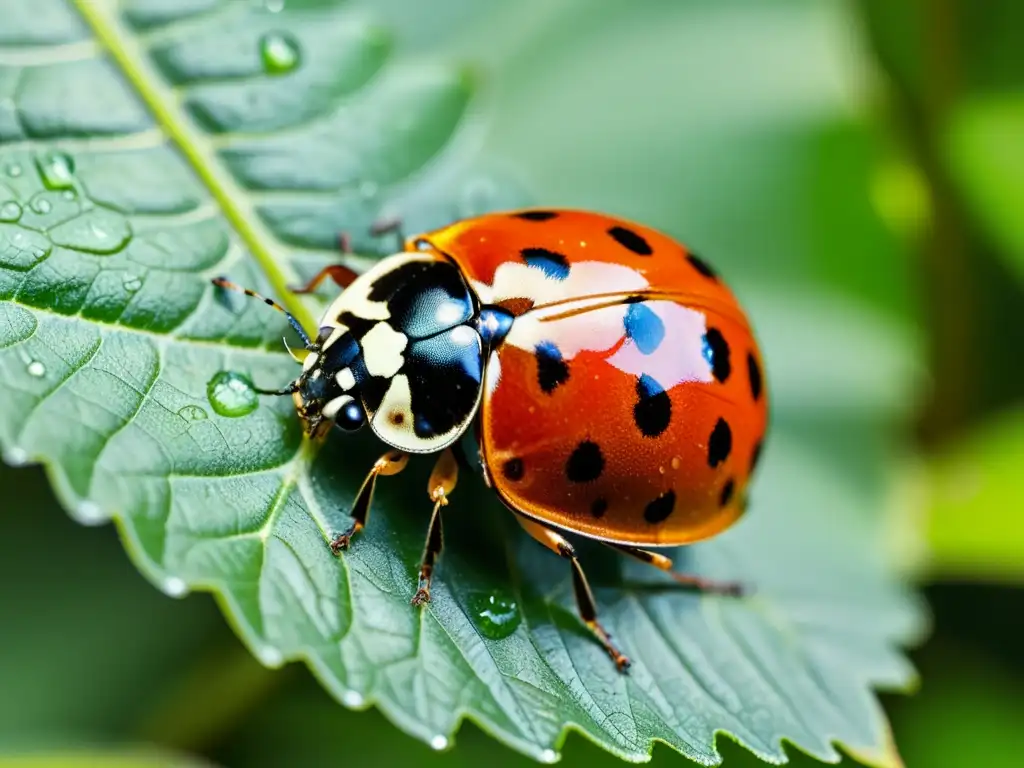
[{"x": 345, "y": 412}]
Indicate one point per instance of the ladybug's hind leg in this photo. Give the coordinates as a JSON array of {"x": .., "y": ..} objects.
[
  {"x": 442, "y": 482},
  {"x": 391, "y": 463},
  {"x": 584, "y": 597},
  {"x": 665, "y": 564}
]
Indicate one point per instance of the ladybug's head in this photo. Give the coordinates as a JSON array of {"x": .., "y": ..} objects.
[{"x": 326, "y": 392}]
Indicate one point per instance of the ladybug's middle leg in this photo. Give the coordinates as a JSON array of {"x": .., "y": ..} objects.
[
  {"x": 584, "y": 597},
  {"x": 442, "y": 482},
  {"x": 391, "y": 463},
  {"x": 665, "y": 564}
]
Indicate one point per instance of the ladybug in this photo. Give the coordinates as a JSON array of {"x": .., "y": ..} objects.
[{"x": 609, "y": 381}]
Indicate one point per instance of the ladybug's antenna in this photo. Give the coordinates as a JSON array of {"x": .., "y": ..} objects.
[
  {"x": 222, "y": 282},
  {"x": 286, "y": 391}
]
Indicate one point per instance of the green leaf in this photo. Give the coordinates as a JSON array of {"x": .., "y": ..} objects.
[
  {"x": 974, "y": 526},
  {"x": 986, "y": 158},
  {"x": 223, "y": 137}
]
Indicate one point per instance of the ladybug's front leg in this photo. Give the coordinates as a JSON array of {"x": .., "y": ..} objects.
[
  {"x": 340, "y": 274},
  {"x": 442, "y": 482},
  {"x": 391, "y": 463},
  {"x": 584, "y": 597}
]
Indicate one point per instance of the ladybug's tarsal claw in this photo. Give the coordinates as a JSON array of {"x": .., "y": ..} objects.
[{"x": 623, "y": 664}]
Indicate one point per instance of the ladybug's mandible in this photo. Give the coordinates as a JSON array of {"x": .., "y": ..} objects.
[{"x": 610, "y": 381}]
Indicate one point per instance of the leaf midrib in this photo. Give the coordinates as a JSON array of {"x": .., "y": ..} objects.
[{"x": 196, "y": 148}]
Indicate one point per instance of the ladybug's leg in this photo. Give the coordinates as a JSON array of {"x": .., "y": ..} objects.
[
  {"x": 391, "y": 463},
  {"x": 341, "y": 275},
  {"x": 387, "y": 227},
  {"x": 442, "y": 482},
  {"x": 584, "y": 597},
  {"x": 665, "y": 564}
]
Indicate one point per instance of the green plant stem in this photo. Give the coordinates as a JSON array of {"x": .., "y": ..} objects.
[
  {"x": 101, "y": 15},
  {"x": 944, "y": 261}
]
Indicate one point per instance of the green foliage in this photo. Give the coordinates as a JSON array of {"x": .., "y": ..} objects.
[
  {"x": 236, "y": 140},
  {"x": 976, "y": 495},
  {"x": 986, "y": 157}
]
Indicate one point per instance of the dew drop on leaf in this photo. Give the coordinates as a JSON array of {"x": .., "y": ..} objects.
[
  {"x": 14, "y": 170},
  {"x": 15, "y": 456},
  {"x": 231, "y": 394},
  {"x": 36, "y": 369},
  {"x": 279, "y": 52},
  {"x": 57, "y": 170},
  {"x": 274, "y": 6},
  {"x": 192, "y": 413},
  {"x": 352, "y": 699},
  {"x": 41, "y": 206},
  {"x": 439, "y": 742},
  {"x": 495, "y": 616},
  {"x": 548, "y": 756},
  {"x": 173, "y": 586},
  {"x": 368, "y": 190},
  {"x": 131, "y": 283},
  {"x": 88, "y": 513},
  {"x": 270, "y": 656},
  {"x": 10, "y": 211}
]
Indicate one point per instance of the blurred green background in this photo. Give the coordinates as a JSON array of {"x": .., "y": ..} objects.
[{"x": 872, "y": 150}]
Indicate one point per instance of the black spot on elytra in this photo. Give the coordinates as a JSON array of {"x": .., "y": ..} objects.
[
  {"x": 535, "y": 215},
  {"x": 513, "y": 469},
  {"x": 585, "y": 464},
  {"x": 720, "y": 443},
  {"x": 755, "y": 457},
  {"x": 701, "y": 266},
  {"x": 599, "y": 507},
  {"x": 653, "y": 410},
  {"x": 552, "y": 370},
  {"x": 629, "y": 239},
  {"x": 385, "y": 286},
  {"x": 727, "y": 492},
  {"x": 551, "y": 263},
  {"x": 658, "y": 510},
  {"x": 372, "y": 390},
  {"x": 716, "y": 352},
  {"x": 755, "y": 376}
]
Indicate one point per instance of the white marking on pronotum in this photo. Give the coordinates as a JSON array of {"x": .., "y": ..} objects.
[
  {"x": 382, "y": 350},
  {"x": 463, "y": 335},
  {"x": 346, "y": 379},
  {"x": 333, "y": 407},
  {"x": 310, "y": 361}
]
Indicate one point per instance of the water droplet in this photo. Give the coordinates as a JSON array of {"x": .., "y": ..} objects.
[
  {"x": 88, "y": 513},
  {"x": 270, "y": 656},
  {"x": 495, "y": 616},
  {"x": 280, "y": 53},
  {"x": 41, "y": 206},
  {"x": 439, "y": 742},
  {"x": 57, "y": 170},
  {"x": 368, "y": 190},
  {"x": 14, "y": 170},
  {"x": 70, "y": 194},
  {"x": 192, "y": 413},
  {"x": 274, "y": 6},
  {"x": 131, "y": 283},
  {"x": 15, "y": 456},
  {"x": 10, "y": 211},
  {"x": 172, "y": 586},
  {"x": 37, "y": 369},
  {"x": 548, "y": 756},
  {"x": 352, "y": 699},
  {"x": 231, "y": 394}
]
